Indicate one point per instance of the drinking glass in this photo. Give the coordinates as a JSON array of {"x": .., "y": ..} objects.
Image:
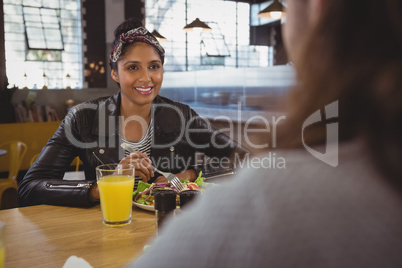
[{"x": 116, "y": 184}]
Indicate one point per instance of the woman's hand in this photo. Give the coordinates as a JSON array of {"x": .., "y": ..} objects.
[
  {"x": 142, "y": 164},
  {"x": 95, "y": 192},
  {"x": 161, "y": 179},
  {"x": 188, "y": 174}
]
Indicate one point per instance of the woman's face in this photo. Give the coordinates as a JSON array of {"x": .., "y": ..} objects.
[{"x": 140, "y": 74}]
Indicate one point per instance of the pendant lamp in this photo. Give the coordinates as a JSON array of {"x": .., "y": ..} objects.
[
  {"x": 158, "y": 36},
  {"x": 197, "y": 25},
  {"x": 275, "y": 10}
]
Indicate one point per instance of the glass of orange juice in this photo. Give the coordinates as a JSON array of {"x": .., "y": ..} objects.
[
  {"x": 116, "y": 184},
  {"x": 2, "y": 244}
]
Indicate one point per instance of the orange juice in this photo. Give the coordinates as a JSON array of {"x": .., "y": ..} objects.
[{"x": 116, "y": 194}]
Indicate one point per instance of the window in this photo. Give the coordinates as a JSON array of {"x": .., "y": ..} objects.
[
  {"x": 226, "y": 46},
  {"x": 43, "y": 43},
  {"x": 214, "y": 41},
  {"x": 42, "y": 28}
]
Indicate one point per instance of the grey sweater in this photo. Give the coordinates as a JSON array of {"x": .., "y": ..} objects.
[{"x": 308, "y": 214}]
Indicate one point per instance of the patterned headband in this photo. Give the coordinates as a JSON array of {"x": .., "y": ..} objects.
[{"x": 139, "y": 34}]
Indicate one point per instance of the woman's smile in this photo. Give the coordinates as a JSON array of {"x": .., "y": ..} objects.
[{"x": 144, "y": 90}]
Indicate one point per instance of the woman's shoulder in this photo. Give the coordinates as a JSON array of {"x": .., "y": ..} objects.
[
  {"x": 87, "y": 112},
  {"x": 161, "y": 102},
  {"x": 164, "y": 100},
  {"x": 93, "y": 105}
]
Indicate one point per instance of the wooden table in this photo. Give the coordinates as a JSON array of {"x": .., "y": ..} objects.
[{"x": 45, "y": 236}]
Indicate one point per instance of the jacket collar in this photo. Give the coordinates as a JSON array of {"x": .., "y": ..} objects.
[{"x": 165, "y": 116}]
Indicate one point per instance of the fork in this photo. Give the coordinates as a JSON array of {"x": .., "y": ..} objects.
[{"x": 169, "y": 176}]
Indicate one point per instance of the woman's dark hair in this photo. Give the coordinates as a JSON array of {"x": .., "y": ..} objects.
[
  {"x": 353, "y": 56},
  {"x": 124, "y": 27}
]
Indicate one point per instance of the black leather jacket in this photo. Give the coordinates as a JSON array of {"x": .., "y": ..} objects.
[{"x": 178, "y": 131}]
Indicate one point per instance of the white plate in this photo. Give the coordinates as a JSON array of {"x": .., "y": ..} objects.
[{"x": 145, "y": 207}]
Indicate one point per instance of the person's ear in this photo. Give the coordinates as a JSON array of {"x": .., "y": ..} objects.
[{"x": 114, "y": 75}]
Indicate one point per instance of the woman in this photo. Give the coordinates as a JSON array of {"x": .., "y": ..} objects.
[
  {"x": 345, "y": 213},
  {"x": 159, "y": 131}
]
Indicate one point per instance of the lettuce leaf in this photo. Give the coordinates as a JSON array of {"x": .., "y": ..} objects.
[
  {"x": 142, "y": 200},
  {"x": 142, "y": 186},
  {"x": 200, "y": 180}
]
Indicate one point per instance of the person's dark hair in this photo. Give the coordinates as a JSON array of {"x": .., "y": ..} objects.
[
  {"x": 124, "y": 27},
  {"x": 353, "y": 56}
]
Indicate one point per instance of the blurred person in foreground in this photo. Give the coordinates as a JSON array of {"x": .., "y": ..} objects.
[{"x": 347, "y": 213}]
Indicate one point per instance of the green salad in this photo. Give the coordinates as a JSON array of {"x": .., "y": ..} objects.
[{"x": 144, "y": 193}]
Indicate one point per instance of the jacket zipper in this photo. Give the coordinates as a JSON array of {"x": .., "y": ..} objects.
[{"x": 80, "y": 185}]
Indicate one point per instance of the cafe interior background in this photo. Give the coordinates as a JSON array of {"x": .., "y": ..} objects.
[{"x": 54, "y": 54}]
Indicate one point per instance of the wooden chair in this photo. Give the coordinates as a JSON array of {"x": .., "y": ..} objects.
[
  {"x": 76, "y": 162},
  {"x": 16, "y": 151},
  {"x": 33, "y": 159}
]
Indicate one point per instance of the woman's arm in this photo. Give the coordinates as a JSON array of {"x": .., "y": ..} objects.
[
  {"x": 182, "y": 139},
  {"x": 224, "y": 153},
  {"x": 189, "y": 174},
  {"x": 44, "y": 184}
]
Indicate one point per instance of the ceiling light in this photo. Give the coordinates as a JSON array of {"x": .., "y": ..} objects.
[
  {"x": 275, "y": 10},
  {"x": 197, "y": 25},
  {"x": 158, "y": 35}
]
